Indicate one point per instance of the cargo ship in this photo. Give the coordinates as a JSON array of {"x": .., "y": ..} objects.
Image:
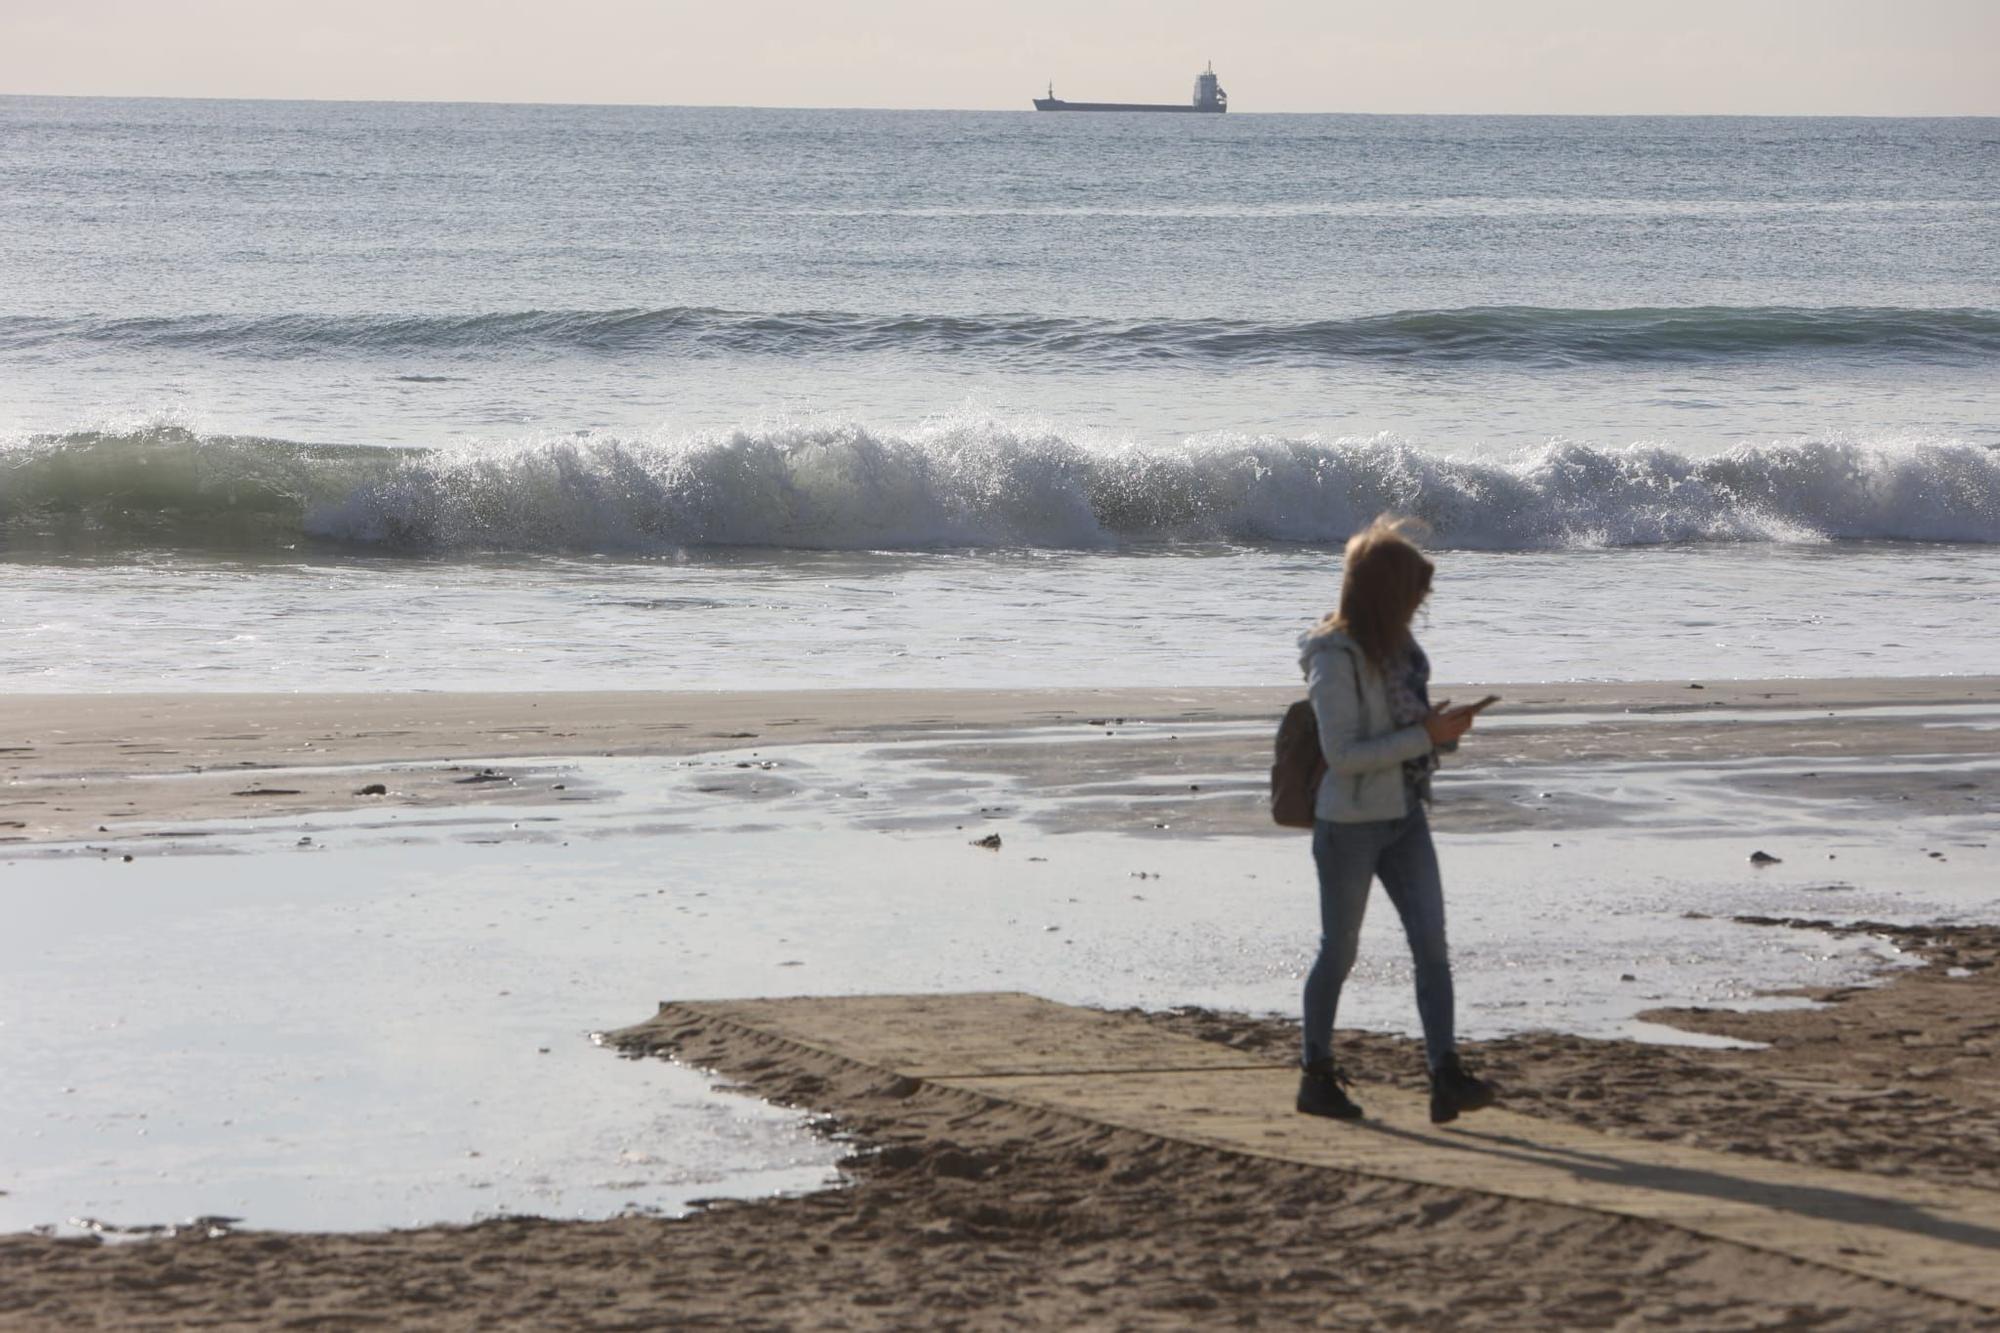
[{"x": 1208, "y": 96}]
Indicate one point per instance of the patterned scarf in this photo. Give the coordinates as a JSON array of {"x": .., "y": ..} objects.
[{"x": 1407, "y": 675}]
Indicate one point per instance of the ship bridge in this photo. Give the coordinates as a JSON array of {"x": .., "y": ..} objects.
[{"x": 1208, "y": 94}]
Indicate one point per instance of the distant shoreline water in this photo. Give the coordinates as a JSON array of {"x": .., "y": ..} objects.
[{"x": 1520, "y": 335}]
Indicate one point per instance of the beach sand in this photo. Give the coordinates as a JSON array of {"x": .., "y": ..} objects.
[
  {"x": 77, "y": 767},
  {"x": 961, "y": 1212}
]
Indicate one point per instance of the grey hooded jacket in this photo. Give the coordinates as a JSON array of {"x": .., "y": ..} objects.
[{"x": 1364, "y": 748}]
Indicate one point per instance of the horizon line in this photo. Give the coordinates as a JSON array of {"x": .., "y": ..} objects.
[{"x": 990, "y": 110}]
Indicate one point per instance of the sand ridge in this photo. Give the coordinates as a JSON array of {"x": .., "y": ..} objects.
[
  {"x": 1023, "y": 1052},
  {"x": 1897, "y": 1080}
]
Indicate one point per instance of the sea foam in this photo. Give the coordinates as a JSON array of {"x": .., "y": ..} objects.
[{"x": 966, "y": 482}]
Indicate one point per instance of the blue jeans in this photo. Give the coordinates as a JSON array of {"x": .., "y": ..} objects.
[{"x": 1349, "y": 858}]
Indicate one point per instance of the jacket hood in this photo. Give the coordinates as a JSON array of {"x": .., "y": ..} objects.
[{"x": 1318, "y": 640}]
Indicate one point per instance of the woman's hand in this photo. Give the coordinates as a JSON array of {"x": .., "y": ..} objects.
[{"x": 1446, "y": 725}]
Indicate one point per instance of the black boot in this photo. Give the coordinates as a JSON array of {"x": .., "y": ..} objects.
[
  {"x": 1322, "y": 1091},
  {"x": 1453, "y": 1090}
]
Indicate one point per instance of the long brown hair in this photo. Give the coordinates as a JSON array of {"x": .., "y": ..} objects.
[{"x": 1384, "y": 579}]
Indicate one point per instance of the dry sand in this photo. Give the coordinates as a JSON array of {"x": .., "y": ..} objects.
[
  {"x": 1895, "y": 1080},
  {"x": 960, "y": 1216}
]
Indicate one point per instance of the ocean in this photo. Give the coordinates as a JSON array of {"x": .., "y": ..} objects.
[{"x": 310, "y": 396}]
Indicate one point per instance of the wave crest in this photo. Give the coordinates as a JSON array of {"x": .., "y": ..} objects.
[
  {"x": 964, "y": 483},
  {"x": 1516, "y": 335}
]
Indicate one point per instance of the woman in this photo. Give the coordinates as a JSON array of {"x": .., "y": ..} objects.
[{"x": 1369, "y": 685}]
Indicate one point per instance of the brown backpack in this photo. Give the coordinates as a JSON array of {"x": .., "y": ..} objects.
[{"x": 1298, "y": 767}]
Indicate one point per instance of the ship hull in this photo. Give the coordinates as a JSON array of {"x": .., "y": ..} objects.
[{"x": 1057, "y": 104}]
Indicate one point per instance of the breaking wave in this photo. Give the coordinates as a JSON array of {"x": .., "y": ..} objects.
[
  {"x": 1516, "y": 335},
  {"x": 960, "y": 483}
]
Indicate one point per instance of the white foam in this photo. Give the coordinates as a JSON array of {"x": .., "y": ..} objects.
[{"x": 984, "y": 481}]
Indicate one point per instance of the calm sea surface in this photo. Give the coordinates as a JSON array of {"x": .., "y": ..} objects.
[{"x": 325, "y": 395}]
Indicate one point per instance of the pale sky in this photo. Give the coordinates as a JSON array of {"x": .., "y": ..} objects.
[{"x": 1805, "y": 57}]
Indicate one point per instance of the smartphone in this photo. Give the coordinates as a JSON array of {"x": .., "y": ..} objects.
[{"x": 1487, "y": 702}]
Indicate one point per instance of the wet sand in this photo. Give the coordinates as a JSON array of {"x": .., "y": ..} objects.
[
  {"x": 105, "y": 767},
  {"x": 959, "y": 1215}
]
